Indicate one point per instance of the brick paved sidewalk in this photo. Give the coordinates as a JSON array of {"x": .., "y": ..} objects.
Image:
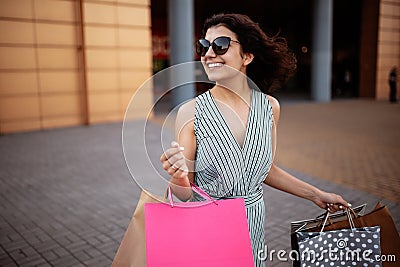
[
  {"x": 355, "y": 143},
  {"x": 66, "y": 198}
]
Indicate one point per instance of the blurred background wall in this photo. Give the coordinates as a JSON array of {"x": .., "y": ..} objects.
[
  {"x": 65, "y": 63},
  {"x": 76, "y": 62},
  {"x": 388, "y": 47}
]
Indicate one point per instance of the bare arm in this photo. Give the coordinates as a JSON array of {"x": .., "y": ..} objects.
[
  {"x": 178, "y": 160},
  {"x": 286, "y": 182}
]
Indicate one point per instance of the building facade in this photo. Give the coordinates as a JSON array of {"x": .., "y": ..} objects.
[{"x": 67, "y": 62}]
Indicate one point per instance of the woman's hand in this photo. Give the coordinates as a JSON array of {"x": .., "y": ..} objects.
[
  {"x": 174, "y": 162},
  {"x": 330, "y": 201}
]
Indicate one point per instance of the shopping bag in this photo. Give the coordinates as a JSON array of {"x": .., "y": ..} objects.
[
  {"x": 343, "y": 247},
  {"x": 316, "y": 224},
  {"x": 197, "y": 234},
  {"x": 390, "y": 239},
  {"x": 346, "y": 247},
  {"x": 132, "y": 250}
]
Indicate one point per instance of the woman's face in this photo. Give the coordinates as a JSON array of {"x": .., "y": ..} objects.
[{"x": 215, "y": 65}]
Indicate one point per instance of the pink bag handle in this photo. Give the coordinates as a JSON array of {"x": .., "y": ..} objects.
[{"x": 196, "y": 189}]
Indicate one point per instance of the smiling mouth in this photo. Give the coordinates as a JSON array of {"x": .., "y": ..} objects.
[{"x": 214, "y": 65}]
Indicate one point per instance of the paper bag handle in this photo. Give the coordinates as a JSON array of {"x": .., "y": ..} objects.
[
  {"x": 350, "y": 213},
  {"x": 196, "y": 189}
]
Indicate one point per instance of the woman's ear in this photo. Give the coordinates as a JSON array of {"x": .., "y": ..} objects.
[{"x": 247, "y": 58}]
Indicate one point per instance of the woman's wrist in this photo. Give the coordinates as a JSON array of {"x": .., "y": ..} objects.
[
  {"x": 313, "y": 194},
  {"x": 180, "y": 181},
  {"x": 181, "y": 188}
]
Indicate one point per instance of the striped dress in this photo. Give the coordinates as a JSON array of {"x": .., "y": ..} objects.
[{"x": 224, "y": 169}]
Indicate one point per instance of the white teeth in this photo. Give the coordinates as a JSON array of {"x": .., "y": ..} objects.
[{"x": 213, "y": 65}]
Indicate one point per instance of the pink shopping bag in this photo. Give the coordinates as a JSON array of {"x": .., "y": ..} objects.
[{"x": 198, "y": 234}]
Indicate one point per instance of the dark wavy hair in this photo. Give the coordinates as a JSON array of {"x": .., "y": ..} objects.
[{"x": 273, "y": 62}]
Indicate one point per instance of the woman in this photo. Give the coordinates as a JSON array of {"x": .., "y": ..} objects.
[{"x": 225, "y": 136}]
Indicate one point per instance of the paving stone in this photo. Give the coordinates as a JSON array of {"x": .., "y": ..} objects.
[
  {"x": 18, "y": 244},
  {"x": 18, "y": 254},
  {"x": 46, "y": 246},
  {"x": 49, "y": 255},
  {"x": 99, "y": 261},
  {"x": 93, "y": 252},
  {"x": 60, "y": 252},
  {"x": 9, "y": 264},
  {"x": 32, "y": 239},
  {"x": 77, "y": 246},
  {"x": 31, "y": 261},
  {"x": 5, "y": 258},
  {"x": 93, "y": 241},
  {"x": 65, "y": 261},
  {"x": 109, "y": 249},
  {"x": 82, "y": 255},
  {"x": 62, "y": 240}
]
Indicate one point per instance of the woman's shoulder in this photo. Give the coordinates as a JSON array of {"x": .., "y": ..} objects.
[
  {"x": 186, "y": 112},
  {"x": 273, "y": 102},
  {"x": 190, "y": 106},
  {"x": 276, "y": 107},
  {"x": 185, "y": 116},
  {"x": 187, "y": 108}
]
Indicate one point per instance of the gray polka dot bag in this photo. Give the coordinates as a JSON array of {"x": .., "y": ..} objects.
[{"x": 344, "y": 247}]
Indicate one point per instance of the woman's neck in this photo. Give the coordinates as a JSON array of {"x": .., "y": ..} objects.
[
  {"x": 232, "y": 95},
  {"x": 233, "y": 90}
]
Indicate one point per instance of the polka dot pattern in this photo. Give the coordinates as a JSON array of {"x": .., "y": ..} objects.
[{"x": 345, "y": 247}]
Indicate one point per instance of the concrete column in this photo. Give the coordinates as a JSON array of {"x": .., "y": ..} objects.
[
  {"x": 181, "y": 34},
  {"x": 321, "y": 64}
]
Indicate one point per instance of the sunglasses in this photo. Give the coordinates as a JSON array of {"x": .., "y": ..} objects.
[{"x": 220, "y": 45}]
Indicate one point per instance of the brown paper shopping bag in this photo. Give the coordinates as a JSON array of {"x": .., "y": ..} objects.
[{"x": 132, "y": 250}]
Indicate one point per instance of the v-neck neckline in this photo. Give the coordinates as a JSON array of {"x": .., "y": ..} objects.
[{"x": 226, "y": 125}]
